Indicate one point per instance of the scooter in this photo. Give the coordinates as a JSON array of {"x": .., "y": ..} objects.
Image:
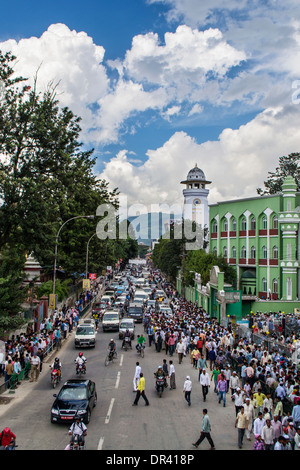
[
  {"x": 55, "y": 377},
  {"x": 76, "y": 443},
  {"x": 160, "y": 385},
  {"x": 126, "y": 343},
  {"x": 81, "y": 368}
]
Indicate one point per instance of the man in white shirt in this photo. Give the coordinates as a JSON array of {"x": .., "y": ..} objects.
[
  {"x": 268, "y": 435},
  {"x": 205, "y": 382},
  {"x": 35, "y": 368},
  {"x": 137, "y": 375},
  {"x": 78, "y": 428},
  {"x": 259, "y": 423},
  {"x": 187, "y": 389}
]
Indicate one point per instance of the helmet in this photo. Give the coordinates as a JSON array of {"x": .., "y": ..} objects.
[
  {"x": 111, "y": 340},
  {"x": 56, "y": 359},
  {"x": 80, "y": 354},
  {"x": 6, "y": 430}
]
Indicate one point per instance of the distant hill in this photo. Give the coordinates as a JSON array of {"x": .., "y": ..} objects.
[{"x": 151, "y": 226}]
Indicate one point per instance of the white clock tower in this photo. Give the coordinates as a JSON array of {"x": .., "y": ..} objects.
[{"x": 195, "y": 197}]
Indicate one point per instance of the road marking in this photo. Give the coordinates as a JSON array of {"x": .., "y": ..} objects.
[
  {"x": 118, "y": 380},
  {"x": 109, "y": 411},
  {"x": 121, "y": 360},
  {"x": 100, "y": 445}
]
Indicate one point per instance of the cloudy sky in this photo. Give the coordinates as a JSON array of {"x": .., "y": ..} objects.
[{"x": 164, "y": 84}]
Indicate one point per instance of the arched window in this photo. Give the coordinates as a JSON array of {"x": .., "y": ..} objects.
[
  {"x": 275, "y": 221},
  {"x": 234, "y": 225},
  {"x": 225, "y": 251},
  {"x": 264, "y": 223},
  {"x": 243, "y": 252},
  {"x": 264, "y": 284},
  {"x": 253, "y": 223},
  {"x": 225, "y": 225},
  {"x": 275, "y": 286},
  {"x": 253, "y": 252},
  {"x": 243, "y": 224},
  {"x": 214, "y": 226},
  {"x": 215, "y": 252},
  {"x": 234, "y": 252},
  {"x": 264, "y": 252},
  {"x": 275, "y": 252}
]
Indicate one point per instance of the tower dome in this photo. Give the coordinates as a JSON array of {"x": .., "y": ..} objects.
[{"x": 196, "y": 173}]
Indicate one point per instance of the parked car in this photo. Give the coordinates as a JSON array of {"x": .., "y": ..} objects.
[{"x": 75, "y": 398}]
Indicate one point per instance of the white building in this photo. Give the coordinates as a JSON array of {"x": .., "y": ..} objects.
[{"x": 195, "y": 197}]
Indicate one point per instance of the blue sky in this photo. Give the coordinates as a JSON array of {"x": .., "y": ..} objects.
[{"x": 163, "y": 84}]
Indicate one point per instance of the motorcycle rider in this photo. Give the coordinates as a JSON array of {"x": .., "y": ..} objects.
[
  {"x": 80, "y": 360},
  {"x": 7, "y": 439},
  {"x": 111, "y": 348},
  {"x": 127, "y": 335},
  {"x": 57, "y": 365},
  {"x": 78, "y": 428},
  {"x": 161, "y": 374}
]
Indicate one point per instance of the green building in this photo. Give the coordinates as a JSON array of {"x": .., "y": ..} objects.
[{"x": 259, "y": 236}]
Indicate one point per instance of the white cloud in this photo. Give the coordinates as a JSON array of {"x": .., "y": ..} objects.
[{"x": 237, "y": 163}]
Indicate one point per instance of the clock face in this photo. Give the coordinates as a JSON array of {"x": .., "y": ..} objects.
[{"x": 196, "y": 202}]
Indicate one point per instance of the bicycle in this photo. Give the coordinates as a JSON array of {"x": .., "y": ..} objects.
[{"x": 110, "y": 357}]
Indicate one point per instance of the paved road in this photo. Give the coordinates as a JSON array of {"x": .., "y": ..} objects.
[{"x": 167, "y": 424}]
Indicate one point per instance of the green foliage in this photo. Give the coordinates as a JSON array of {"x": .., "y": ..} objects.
[
  {"x": 62, "y": 289},
  {"x": 11, "y": 294},
  {"x": 288, "y": 166}
]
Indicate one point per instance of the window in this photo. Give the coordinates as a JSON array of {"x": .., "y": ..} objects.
[
  {"x": 275, "y": 286},
  {"x": 264, "y": 252},
  {"x": 264, "y": 284},
  {"x": 253, "y": 223},
  {"x": 264, "y": 223},
  {"x": 275, "y": 252},
  {"x": 214, "y": 226},
  {"x": 244, "y": 224},
  {"x": 234, "y": 252},
  {"x": 253, "y": 252},
  {"x": 225, "y": 225},
  {"x": 243, "y": 252},
  {"x": 288, "y": 251},
  {"x": 234, "y": 225},
  {"x": 225, "y": 251},
  {"x": 275, "y": 221},
  {"x": 215, "y": 252}
]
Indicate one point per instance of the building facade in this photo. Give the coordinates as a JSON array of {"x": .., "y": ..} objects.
[{"x": 260, "y": 237}]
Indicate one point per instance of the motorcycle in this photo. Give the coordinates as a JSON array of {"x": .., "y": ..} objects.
[
  {"x": 160, "y": 385},
  {"x": 126, "y": 343},
  {"x": 55, "y": 377},
  {"x": 141, "y": 350},
  {"x": 80, "y": 368},
  {"x": 77, "y": 443}
]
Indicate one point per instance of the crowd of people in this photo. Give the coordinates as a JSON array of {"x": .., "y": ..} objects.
[
  {"x": 26, "y": 351},
  {"x": 262, "y": 383}
]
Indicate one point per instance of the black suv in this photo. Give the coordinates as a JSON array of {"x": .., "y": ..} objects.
[
  {"x": 135, "y": 312},
  {"x": 76, "y": 398}
]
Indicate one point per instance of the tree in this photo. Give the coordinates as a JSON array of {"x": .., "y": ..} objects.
[
  {"x": 12, "y": 295},
  {"x": 45, "y": 176},
  {"x": 288, "y": 166}
]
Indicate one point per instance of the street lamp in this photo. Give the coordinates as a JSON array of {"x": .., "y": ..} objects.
[
  {"x": 87, "y": 255},
  {"x": 56, "y": 243}
]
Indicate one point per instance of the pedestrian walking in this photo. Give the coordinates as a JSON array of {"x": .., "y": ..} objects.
[
  {"x": 205, "y": 383},
  {"x": 205, "y": 431},
  {"x": 241, "y": 423},
  {"x": 35, "y": 368},
  {"x": 136, "y": 377},
  {"x": 187, "y": 389},
  {"x": 172, "y": 376},
  {"x": 141, "y": 391},
  {"x": 222, "y": 389},
  {"x": 180, "y": 350}
]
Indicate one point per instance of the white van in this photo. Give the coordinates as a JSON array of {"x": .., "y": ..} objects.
[
  {"x": 85, "y": 336},
  {"x": 111, "y": 320}
]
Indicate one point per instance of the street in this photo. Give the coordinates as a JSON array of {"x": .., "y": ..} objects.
[{"x": 167, "y": 424}]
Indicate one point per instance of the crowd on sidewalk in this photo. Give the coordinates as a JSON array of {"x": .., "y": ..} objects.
[
  {"x": 263, "y": 384},
  {"x": 26, "y": 351}
]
